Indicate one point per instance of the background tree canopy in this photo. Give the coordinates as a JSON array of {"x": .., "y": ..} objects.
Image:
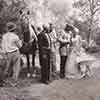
[{"x": 84, "y": 14}]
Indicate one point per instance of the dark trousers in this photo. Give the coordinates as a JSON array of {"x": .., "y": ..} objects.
[
  {"x": 2, "y": 77},
  {"x": 33, "y": 58},
  {"x": 45, "y": 66},
  {"x": 62, "y": 66}
]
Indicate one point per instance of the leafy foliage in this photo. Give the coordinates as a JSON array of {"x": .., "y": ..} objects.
[
  {"x": 9, "y": 12},
  {"x": 90, "y": 11}
]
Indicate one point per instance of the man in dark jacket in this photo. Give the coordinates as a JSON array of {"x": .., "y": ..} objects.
[{"x": 44, "y": 54}]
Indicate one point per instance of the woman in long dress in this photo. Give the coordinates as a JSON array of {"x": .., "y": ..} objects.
[
  {"x": 71, "y": 64},
  {"x": 78, "y": 64}
]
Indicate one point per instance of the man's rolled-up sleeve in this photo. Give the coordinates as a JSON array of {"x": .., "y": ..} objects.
[{"x": 18, "y": 42}]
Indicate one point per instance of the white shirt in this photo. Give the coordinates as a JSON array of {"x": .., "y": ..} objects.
[
  {"x": 53, "y": 37},
  {"x": 10, "y": 42},
  {"x": 64, "y": 37}
]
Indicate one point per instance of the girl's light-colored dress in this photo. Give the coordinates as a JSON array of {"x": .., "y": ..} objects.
[
  {"x": 71, "y": 63},
  {"x": 85, "y": 60}
]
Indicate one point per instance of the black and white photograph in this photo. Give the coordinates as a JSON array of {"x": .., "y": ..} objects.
[{"x": 49, "y": 49}]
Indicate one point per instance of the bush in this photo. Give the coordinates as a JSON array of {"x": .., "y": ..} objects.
[{"x": 93, "y": 49}]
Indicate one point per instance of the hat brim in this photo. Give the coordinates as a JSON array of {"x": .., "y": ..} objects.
[
  {"x": 12, "y": 29},
  {"x": 11, "y": 26}
]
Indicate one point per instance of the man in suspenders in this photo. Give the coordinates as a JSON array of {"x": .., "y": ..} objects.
[{"x": 44, "y": 44}]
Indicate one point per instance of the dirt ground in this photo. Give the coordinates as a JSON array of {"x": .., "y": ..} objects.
[{"x": 31, "y": 89}]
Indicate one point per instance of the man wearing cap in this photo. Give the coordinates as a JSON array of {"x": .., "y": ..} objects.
[
  {"x": 10, "y": 45},
  {"x": 64, "y": 40},
  {"x": 44, "y": 44}
]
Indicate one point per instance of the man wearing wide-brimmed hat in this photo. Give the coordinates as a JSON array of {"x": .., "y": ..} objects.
[{"x": 11, "y": 44}]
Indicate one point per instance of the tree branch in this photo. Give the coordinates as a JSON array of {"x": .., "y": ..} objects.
[{"x": 96, "y": 10}]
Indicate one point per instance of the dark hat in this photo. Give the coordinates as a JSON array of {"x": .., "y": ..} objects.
[
  {"x": 68, "y": 27},
  {"x": 11, "y": 26},
  {"x": 39, "y": 29}
]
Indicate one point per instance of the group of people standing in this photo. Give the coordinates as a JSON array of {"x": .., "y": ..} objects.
[
  {"x": 73, "y": 57},
  {"x": 74, "y": 61}
]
